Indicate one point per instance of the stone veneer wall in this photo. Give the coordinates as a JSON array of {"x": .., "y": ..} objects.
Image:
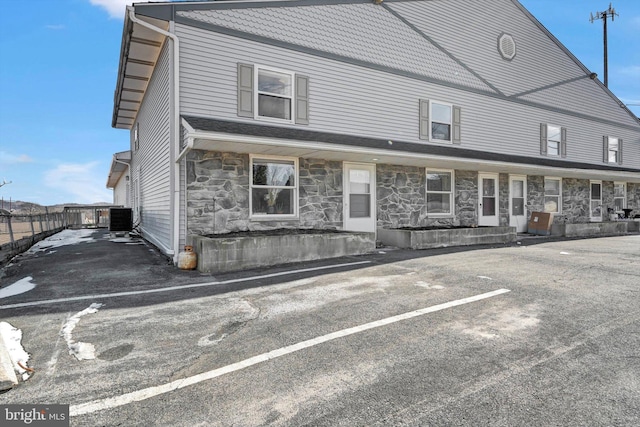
[
  {"x": 401, "y": 196},
  {"x": 633, "y": 198},
  {"x": 218, "y": 194},
  {"x": 503, "y": 199},
  {"x": 576, "y": 195},
  {"x": 466, "y": 198}
]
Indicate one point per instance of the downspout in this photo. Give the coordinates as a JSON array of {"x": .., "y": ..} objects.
[
  {"x": 174, "y": 107},
  {"x": 128, "y": 165}
]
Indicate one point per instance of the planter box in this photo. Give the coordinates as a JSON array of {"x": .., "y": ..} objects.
[
  {"x": 442, "y": 238},
  {"x": 222, "y": 254},
  {"x": 591, "y": 229}
]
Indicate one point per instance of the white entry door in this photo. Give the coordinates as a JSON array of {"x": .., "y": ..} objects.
[
  {"x": 488, "y": 208},
  {"x": 518, "y": 202},
  {"x": 359, "y": 197}
]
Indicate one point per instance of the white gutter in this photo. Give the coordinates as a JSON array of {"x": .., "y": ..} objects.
[{"x": 174, "y": 107}]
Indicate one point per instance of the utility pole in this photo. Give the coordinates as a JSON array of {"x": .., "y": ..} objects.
[{"x": 611, "y": 12}]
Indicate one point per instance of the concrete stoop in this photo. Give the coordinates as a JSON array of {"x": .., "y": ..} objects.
[
  {"x": 221, "y": 254},
  {"x": 594, "y": 229},
  {"x": 447, "y": 237}
]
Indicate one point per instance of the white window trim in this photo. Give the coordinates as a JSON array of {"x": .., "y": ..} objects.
[
  {"x": 256, "y": 94},
  {"x": 559, "y": 141},
  {"x": 431, "y": 138},
  {"x": 609, "y": 150},
  {"x": 557, "y": 178},
  {"x": 296, "y": 188},
  {"x": 451, "y": 193},
  {"x": 624, "y": 196}
]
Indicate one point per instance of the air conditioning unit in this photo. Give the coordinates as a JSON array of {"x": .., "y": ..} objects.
[{"x": 120, "y": 220}]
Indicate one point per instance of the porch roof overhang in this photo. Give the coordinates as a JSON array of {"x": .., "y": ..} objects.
[
  {"x": 119, "y": 165},
  {"x": 239, "y": 137},
  {"x": 139, "y": 53}
]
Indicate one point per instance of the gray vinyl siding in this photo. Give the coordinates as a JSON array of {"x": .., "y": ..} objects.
[
  {"x": 355, "y": 100},
  {"x": 153, "y": 155}
]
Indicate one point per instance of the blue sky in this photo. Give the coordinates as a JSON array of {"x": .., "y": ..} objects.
[{"x": 58, "y": 68}]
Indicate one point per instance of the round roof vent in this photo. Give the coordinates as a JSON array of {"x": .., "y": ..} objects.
[{"x": 506, "y": 46}]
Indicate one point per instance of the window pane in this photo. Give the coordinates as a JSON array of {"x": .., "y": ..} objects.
[
  {"x": 553, "y": 148},
  {"x": 274, "y": 172},
  {"x": 273, "y": 106},
  {"x": 552, "y": 187},
  {"x": 359, "y": 181},
  {"x": 438, "y": 203},
  {"x": 596, "y": 209},
  {"x": 613, "y": 144},
  {"x": 619, "y": 190},
  {"x": 551, "y": 204},
  {"x": 553, "y": 133},
  {"x": 517, "y": 205},
  {"x": 619, "y": 203},
  {"x": 517, "y": 188},
  {"x": 439, "y": 181},
  {"x": 440, "y": 113},
  {"x": 613, "y": 156},
  {"x": 440, "y": 131},
  {"x": 488, "y": 187},
  {"x": 595, "y": 191},
  {"x": 274, "y": 82},
  {"x": 360, "y": 205},
  {"x": 488, "y": 206},
  {"x": 272, "y": 201}
]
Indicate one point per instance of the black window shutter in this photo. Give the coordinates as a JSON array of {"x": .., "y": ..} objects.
[
  {"x": 563, "y": 142},
  {"x": 605, "y": 149}
]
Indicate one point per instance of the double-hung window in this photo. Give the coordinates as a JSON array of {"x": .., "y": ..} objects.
[
  {"x": 553, "y": 195},
  {"x": 553, "y": 140},
  {"x": 266, "y": 93},
  {"x": 619, "y": 196},
  {"x": 439, "y": 193},
  {"x": 274, "y": 97},
  {"x": 274, "y": 187},
  {"x": 440, "y": 122},
  {"x": 612, "y": 149}
]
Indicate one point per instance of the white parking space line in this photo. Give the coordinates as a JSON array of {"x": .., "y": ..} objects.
[
  {"x": 146, "y": 393},
  {"x": 180, "y": 287}
]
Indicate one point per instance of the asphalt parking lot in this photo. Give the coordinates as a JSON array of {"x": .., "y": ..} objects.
[{"x": 538, "y": 333}]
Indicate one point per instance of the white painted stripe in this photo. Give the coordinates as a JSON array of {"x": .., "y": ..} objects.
[
  {"x": 146, "y": 393},
  {"x": 180, "y": 287}
]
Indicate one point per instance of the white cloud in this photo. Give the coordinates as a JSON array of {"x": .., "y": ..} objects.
[
  {"x": 9, "y": 159},
  {"x": 79, "y": 183},
  {"x": 115, "y": 8},
  {"x": 631, "y": 70}
]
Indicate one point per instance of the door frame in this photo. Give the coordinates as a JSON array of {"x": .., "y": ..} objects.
[
  {"x": 591, "y": 199},
  {"x": 371, "y": 167},
  {"x": 513, "y": 221},
  {"x": 488, "y": 221}
]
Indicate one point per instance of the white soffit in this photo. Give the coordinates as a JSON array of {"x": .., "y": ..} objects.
[{"x": 137, "y": 62}]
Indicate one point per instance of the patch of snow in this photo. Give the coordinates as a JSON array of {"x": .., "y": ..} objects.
[
  {"x": 565, "y": 253},
  {"x": 12, "y": 337},
  {"x": 63, "y": 238},
  {"x": 485, "y": 277},
  {"x": 19, "y": 287},
  {"x": 81, "y": 350},
  {"x": 382, "y": 252}
]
